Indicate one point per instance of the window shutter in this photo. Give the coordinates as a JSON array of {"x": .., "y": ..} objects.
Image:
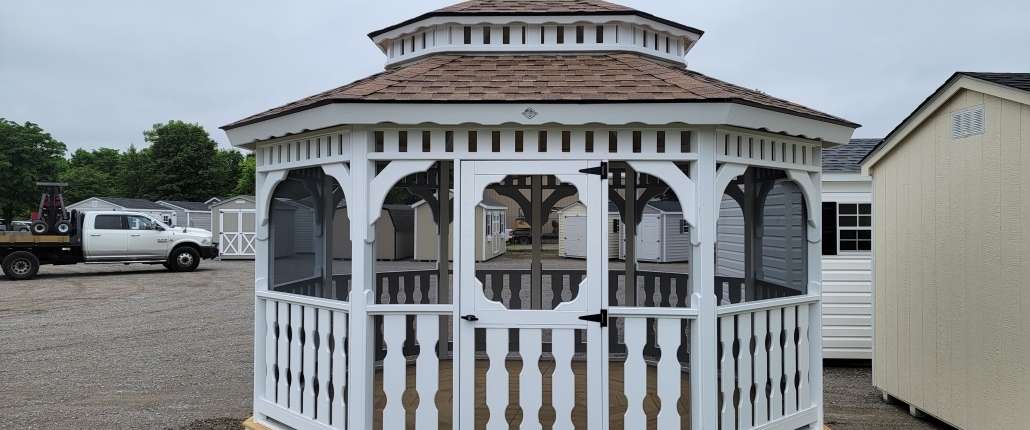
[{"x": 829, "y": 228}]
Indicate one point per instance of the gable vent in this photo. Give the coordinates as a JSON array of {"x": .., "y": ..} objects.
[{"x": 967, "y": 123}]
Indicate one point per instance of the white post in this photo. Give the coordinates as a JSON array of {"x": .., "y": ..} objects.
[
  {"x": 704, "y": 360},
  {"x": 261, "y": 275},
  {"x": 464, "y": 297},
  {"x": 815, "y": 311},
  {"x": 361, "y": 336}
]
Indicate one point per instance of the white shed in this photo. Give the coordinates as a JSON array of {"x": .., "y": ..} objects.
[
  {"x": 148, "y": 207},
  {"x": 572, "y": 231},
  {"x": 847, "y": 259},
  {"x": 662, "y": 235},
  {"x": 190, "y": 214},
  {"x": 232, "y": 223},
  {"x": 491, "y": 241}
]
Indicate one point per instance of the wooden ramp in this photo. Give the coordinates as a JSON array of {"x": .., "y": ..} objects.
[
  {"x": 513, "y": 414},
  {"x": 29, "y": 238}
]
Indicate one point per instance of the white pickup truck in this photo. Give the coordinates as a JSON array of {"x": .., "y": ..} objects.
[{"x": 107, "y": 237}]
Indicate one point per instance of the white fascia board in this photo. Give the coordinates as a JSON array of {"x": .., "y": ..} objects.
[
  {"x": 778, "y": 122},
  {"x": 566, "y": 114},
  {"x": 502, "y": 20},
  {"x": 939, "y": 99},
  {"x": 570, "y": 49},
  {"x": 845, "y": 177}
]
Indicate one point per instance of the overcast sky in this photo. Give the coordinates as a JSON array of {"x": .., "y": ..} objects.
[{"x": 99, "y": 73}]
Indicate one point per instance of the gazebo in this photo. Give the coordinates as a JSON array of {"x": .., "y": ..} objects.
[{"x": 537, "y": 100}]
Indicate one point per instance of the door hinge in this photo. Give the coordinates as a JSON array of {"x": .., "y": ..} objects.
[
  {"x": 601, "y": 170},
  {"x": 470, "y": 318},
  {"x": 597, "y": 318}
]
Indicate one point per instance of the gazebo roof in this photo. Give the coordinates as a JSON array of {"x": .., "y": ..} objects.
[
  {"x": 549, "y": 78},
  {"x": 535, "y": 7}
]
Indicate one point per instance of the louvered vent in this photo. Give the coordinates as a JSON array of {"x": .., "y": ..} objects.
[{"x": 967, "y": 123}]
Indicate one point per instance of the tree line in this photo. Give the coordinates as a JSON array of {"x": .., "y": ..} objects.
[{"x": 182, "y": 162}]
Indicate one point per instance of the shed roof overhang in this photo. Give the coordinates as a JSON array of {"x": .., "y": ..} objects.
[{"x": 953, "y": 85}]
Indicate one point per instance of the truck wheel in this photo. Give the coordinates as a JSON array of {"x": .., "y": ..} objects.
[
  {"x": 40, "y": 227},
  {"x": 184, "y": 259},
  {"x": 21, "y": 265},
  {"x": 63, "y": 227},
  {"x": 524, "y": 240}
]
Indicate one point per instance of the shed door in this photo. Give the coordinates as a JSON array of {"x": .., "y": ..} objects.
[
  {"x": 492, "y": 326},
  {"x": 575, "y": 235},
  {"x": 236, "y": 235},
  {"x": 649, "y": 238}
]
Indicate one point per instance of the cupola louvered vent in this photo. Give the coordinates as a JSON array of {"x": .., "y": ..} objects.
[{"x": 967, "y": 123}]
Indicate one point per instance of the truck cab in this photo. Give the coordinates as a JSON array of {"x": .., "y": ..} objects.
[{"x": 128, "y": 236}]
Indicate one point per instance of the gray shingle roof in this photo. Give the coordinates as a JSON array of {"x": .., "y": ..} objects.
[
  {"x": 848, "y": 158},
  {"x": 133, "y": 203},
  {"x": 1019, "y": 81},
  {"x": 190, "y": 206},
  {"x": 665, "y": 205},
  {"x": 403, "y": 217}
]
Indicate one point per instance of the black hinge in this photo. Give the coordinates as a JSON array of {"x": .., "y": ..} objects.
[
  {"x": 470, "y": 318},
  {"x": 601, "y": 170},
  {"x": 597, "y": 318}
]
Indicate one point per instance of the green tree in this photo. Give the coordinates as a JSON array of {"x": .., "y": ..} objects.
[
  {"x": 185, "y": 162},
  {"x": 27, "y": 155},
  {"x": 133, "y": 177},
  {"x": 85, "y": 182},
  {"x": 230, "y": 162},
  {"x": 248, "y": 174}
]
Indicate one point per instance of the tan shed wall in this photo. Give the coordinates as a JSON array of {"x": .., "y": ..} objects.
[
  {"x": 390, "y": 244},
  {"x": 952, "y": 267},
  {"x": 427, "y": 242}
]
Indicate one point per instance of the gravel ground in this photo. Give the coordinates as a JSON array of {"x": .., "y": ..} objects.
[{"x": 139, "y": 347}]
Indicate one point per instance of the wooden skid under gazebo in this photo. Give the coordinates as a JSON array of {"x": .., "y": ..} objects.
[{"x": 536, "y": 101}]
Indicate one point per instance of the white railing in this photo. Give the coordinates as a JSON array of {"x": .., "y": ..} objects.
[
  {"x": 764, "y": 357},
  {"x": 304, "y": 361}
]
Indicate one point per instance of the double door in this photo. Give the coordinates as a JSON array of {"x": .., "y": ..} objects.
[{"x": 562, "y": 348}]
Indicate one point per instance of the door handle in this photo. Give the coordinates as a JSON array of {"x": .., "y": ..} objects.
[
  {"x": 137, "y": 234},
  {"x": 95, "y": 234},
  {"x": 470, "y": 318}
]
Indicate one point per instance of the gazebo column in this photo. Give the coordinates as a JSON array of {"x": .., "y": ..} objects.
[
  {"x": 704, "y": 339},
  {"x": 443, "y": 262},
  {"x": 631, "y": 235},
  {"x": 360, "y": 337},
  {"x": 536, "y": 227},
  {"x": 752, "y": 241}
]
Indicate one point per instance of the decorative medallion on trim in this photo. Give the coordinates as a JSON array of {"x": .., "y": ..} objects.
[{"x": 529, "y": 113}]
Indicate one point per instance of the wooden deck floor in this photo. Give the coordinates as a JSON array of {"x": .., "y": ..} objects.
[{"x": 514, "y": 415}]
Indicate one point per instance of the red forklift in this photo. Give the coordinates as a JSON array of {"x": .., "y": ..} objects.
[{"x": 52, "y": 218}]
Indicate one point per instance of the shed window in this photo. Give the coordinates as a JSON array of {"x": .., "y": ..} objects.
[
  {"x": 684, "y": 227},
  {"x": 847, "y": 227},
  {"x": 615, "y": 226}
]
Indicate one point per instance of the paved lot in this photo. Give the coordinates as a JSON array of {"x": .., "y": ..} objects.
[{"x": 139, "y": 347}]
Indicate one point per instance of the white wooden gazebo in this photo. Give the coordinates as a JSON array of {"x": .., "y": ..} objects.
[{"x": 532, "y": 98}]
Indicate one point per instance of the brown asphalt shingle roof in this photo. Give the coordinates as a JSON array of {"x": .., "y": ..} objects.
[
  {"x": 554, "y": 78},
  {"x": 534, "y": 6}
]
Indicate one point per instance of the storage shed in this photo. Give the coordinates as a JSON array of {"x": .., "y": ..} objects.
[
  {"x": 395, "y": 233},
  {"x": 951, "y": 254},
  {"x": 662, "y": 235},
  {"x": 491, "y": 241},
  {"x": 148, "y": 207},
  {"x": 190, "y": 214},
  {"x": 847, "y": 255},
  {"x": 572, "y": 231},
  {"x": 232, "y": 223}
]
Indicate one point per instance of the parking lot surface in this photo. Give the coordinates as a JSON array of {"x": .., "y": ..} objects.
[{"x": 140, "y": 347}]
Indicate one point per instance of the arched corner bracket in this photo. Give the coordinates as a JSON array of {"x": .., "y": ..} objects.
[
  {"x": 726, "y": 174},
  {"x": 264, "y": 200},
  {"x": 380, "y": 186},
  {"x": 810, "y": 191},
  {"x": 681, "y": 184},
  {"x": 341, "y": 173}
]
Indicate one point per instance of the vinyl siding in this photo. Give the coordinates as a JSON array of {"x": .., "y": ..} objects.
[
  {"x": 729, "y": 249},
  {"x": 676, "y": 244},
  {"x": 952, "y": 259},
  {"x": 847, "y": 281}
]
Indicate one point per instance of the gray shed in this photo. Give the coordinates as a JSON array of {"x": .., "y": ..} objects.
[
  {"x": 189, "y": 214},
  {"x": 662, "y": 235},
  {"x": 395, "y": 233},
  {"x": 233, "y": 225},
  {"x": 148, "y": 207}
]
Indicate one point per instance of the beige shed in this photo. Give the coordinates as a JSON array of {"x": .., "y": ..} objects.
[
  {"x": 491, "y": 218},
  {"x": 572, "y": 231},
  {"x": 232, "y": 224},
  {"x": 951, "y": 254},
  {"x": 395, "y": 233}
]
